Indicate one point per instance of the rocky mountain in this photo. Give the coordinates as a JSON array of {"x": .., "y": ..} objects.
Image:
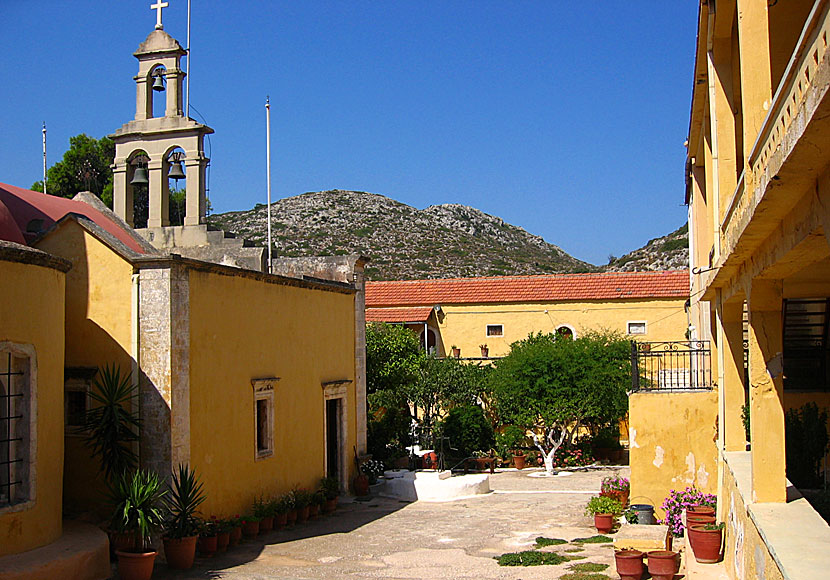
[
  {"x": 441, "y": 241},
  {"x": 670, "y": 252}
]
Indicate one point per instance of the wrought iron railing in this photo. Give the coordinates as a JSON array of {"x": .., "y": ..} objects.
[{"x": 671, "y": 366}]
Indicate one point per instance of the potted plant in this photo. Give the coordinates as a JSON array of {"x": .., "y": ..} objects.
[
  {"x": 263, "y": 510},
  {"x": 235, "y": 528},
  {"x": 181, "y": 526},
  {"x": 706, "y": 540},
  {"x": 605, "y": 510},
  {"x": 318, "y": 499},
  {"x": 250, "y": 526},
  {"x": 629, "y": 564},
  {"x": 679, "y": 501},
  {"x": 223, "y": 533},
  {"x": 291, "y": 502},
  {"x": 331, "y": 489},
  {"x": 207, "y": 537},
  {"x": 138, "y": 509},
  {"x": 617, "y": 487},
  {"x": 456, "y": 352},
  {"x": 485, "y": 350},
  {"x": 280, "y": 507},
  {"x": 302, "y": 499}
]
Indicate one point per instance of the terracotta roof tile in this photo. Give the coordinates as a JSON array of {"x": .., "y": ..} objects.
[
  {"x": 552, "y": 288},
  {"x": 398, "y": 314}
]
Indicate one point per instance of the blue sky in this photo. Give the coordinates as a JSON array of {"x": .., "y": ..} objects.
[{"x": 567, "y": 119}]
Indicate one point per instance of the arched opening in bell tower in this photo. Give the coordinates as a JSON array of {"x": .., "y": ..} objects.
[
  {"x": 157, "y": 81},
  {"x": 138, "y": 187},
  {"x": 177, "y": 184}
]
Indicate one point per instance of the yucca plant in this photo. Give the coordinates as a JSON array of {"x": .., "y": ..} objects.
[
  {"x": 110, "y": 425},
  {"x": 138, "y": 501},
  {"x": 182, "y": 502}
]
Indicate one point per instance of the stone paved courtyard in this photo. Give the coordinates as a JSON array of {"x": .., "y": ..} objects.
[{"x": 385, "y": 538}]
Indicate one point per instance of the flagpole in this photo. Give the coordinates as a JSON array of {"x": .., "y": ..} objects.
[
  {"x": 268, "y": 164},
  {"x": 187, "y": 77},
  {"x": 44, "y": 157}
]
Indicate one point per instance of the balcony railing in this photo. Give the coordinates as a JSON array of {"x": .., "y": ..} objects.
[
  {"x": 671, "y": 366},
  {"x": 787, "y": 104}
]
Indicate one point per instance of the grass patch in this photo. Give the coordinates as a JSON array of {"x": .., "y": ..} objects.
[
  {"x": 588, "y": 567},
  {"x": 542, "y": 541},
  {"x": 571, "y": 558},
  {"x": 584, "y": 576},
  {"x": 593, "y": 540},
  {"x": 574, "y": 549},
  {"x": 530, "y": 558}
]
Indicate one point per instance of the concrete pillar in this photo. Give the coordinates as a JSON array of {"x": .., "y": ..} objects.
[
  {"x": 766, "y": 394},
  {"x": 143, "y": 106},
  {"x": 173, "y": 107},
  {"x": 159, "y": 195},
  {"x": 756, "y": 78},
  {"x": 360, "y": 356},
  {"x": 729, "y": 322},
  {"x": 194, "y": 189},
  {"x": 122, "y": 193},
  {"x": 723, "y": 121}
]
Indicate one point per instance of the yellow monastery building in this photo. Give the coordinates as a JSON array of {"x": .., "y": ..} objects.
[
  {"x": 758, "y": 190},
  {"x": 255, "y": 380}
]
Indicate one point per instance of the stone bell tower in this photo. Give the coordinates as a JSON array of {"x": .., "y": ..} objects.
[{"x": 148, "y": 143}]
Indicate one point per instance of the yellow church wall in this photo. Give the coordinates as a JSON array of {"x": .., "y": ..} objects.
[
  {"x": 466, "y": 326},
  {"x": 671, "y": 444},
  {"x": 242, "y": 329},
  {"x": 98, "y": 333},
  {"x": 32, "y": 315}
]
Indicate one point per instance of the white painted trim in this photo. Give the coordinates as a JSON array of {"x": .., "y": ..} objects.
[{"x": 628, "y": 324}]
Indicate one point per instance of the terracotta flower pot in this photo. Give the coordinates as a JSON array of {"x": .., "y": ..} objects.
[
  {"x": 135, "y": 565},
  {"x": 266, "y": 524},
  {"x": 663, "y": 565},
  {"x": 280, "y": 520},
  {"x": 122, "y": 541},
  {"x": 180, "y": 552},
  {"x": 620, "y": 496},
  {"x": 291, "y": 517},
  {"x": 207, "y": 546},
  {"x": 302, "y": 514},
  {"x": 694, "y": 519},
  {"x": 223, "y": 540},
  {"x": 706, "y": 544},
  {"x": 703, "y": 510},
  {"x": 236, "y": 535},
  {"x": 519, "y": 461},
  {"x": 250, "y": 529},
  {"x": 604, "y": 522},
  {"x": 313, "y": 510},
  {"x": 330, "y": 505},
  {"x": 361, "y": 484},
  {"x": 629, "y": 564}
]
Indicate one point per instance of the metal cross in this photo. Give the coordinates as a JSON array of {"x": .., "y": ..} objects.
[{"x": 157, "y": 7}]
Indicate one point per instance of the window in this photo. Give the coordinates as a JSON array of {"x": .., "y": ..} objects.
[
  {"x": 495, "y": 330},
  {"x": 76, "y": 385},
  {"x": 636, "y": 327},
  {"x": 565, "y": 332},
  {"x": 16, "y": 442},
  {"x": 264, "y": 416}
]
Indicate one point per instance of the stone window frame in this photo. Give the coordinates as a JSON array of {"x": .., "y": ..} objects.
[
  {"x": 76, "y": 380},
  {"x": 338, "y": 390},
  {"x": 263, "y": 390},
  {"x": 569, "y": 327},
  {"x": 27, "y": 352},
  {"x": 489, "y": 326},
  {"x": 628, "y": 326}
]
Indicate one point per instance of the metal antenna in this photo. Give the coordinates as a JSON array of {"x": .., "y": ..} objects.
[
  {"x": 187, "y": 73},
  {"x": 268, "y": 164},
  {"x": 44, "y": 157}
]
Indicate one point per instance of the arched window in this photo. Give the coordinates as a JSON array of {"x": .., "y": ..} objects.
[
  {"x": 177, "y": 185},
  {"x": 565, "y": 332},
  {"x": 158, "y": 87},
  {"x": 432, "y": 340}
]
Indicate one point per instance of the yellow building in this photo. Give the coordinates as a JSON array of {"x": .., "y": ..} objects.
[
  {"x": 473, "y": 313},
  {"x": 758, "y": 190}
]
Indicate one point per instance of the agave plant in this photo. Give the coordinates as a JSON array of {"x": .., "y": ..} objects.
[
  {"x": 138, "y": 501},
  {"x": 110, "y": 425},
  {"x": 184, "y": 498}
]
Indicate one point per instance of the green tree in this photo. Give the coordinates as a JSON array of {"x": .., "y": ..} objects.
[
  {"x": 85, "y": 167},
  {"x": 554, "y": 385}
]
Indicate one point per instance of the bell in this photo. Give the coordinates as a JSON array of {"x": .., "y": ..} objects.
[
  {"x": 158, "y": 83},
  {"x": 140, "y": 176},
  {"x": 176, "y": 172}
]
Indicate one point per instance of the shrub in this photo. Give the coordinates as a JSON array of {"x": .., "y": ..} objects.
[
  {"x": 542, "y": 541},
  {"x": 601, "y": 504},
  {"x": 468, "y": 430},
  {"x": 806, "y": 443},
  {"x": 683, "y": 500}
]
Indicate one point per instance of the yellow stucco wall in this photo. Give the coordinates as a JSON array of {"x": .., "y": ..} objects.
[
  {"x": 671, "y": 444},
  {"x": 466, "y": 326},
  {"x": 98, "y": 332},
  {"x": 240, "y": 329},
  {"x": 32, "y": 313}
]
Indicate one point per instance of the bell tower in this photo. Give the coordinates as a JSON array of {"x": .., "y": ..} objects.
[{"x": 147, "y": 147}]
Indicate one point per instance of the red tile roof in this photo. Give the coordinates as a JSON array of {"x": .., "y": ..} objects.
[
  {"x": 23, "y": 206},
  {"x": 420, "y": 314},
  {"x": 555, "y": 288}
]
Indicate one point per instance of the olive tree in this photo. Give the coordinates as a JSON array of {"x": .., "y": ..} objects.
[{"x": 553, "y": 386}]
